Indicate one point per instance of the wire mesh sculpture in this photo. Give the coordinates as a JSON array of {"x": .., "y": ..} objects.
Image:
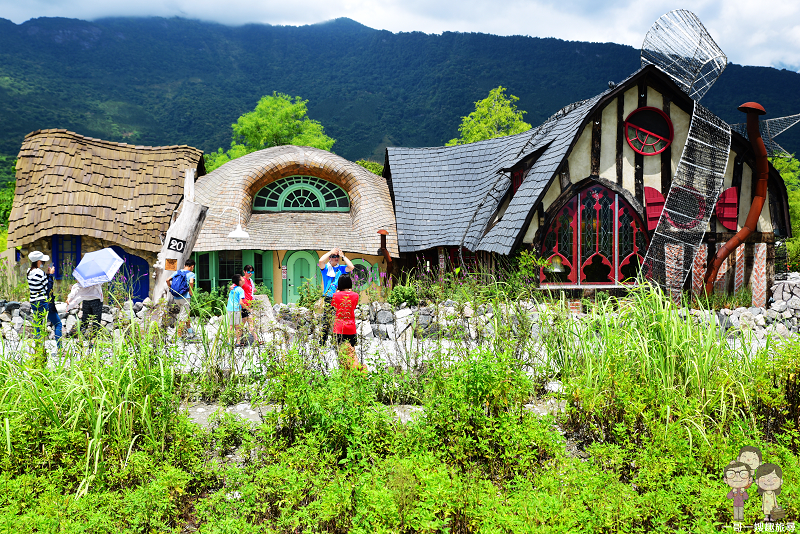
[
  {"x": 770, "y": 129},
  {"x": 690, "y": 201},
  {"x": 679, "y": 44}
]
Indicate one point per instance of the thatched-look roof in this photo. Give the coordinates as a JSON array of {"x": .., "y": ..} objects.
[
  {"x": 74, "y": 185},
  {"x": 237, "y": 182}
]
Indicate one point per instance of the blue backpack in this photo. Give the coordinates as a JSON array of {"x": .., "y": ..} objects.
[{"x": 179, "y": 285}]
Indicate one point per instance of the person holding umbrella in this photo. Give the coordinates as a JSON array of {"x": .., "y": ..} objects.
[{"x": 95, "y": 269}]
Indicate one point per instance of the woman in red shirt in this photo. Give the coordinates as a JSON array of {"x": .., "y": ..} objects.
[{"x": 344, "y": 302}]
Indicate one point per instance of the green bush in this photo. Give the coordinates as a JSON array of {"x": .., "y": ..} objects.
[
  {"x": 402, "y": 294},
  {"x": 310, "y": 293}
]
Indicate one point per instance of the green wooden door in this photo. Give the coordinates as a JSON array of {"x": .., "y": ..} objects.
[{"x": 300, "y": 267}]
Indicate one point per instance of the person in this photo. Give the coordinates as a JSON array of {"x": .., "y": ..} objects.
[
  {"x": 248, "y": 286},
  {"x": 91, "y": 299},
  {"x": 183, "y": 298},
  {"x": 751, "y": 456},
  {"x": 234, "y": 308},
  {"x": 737, "y": 475},
  {"x": 344, "y": 301},
  {"x": 37, "y": 286},
  {"x": 52, "y": 313},
  {"x": 331, "y": 271},
  {"x": 769, "y": 478}
]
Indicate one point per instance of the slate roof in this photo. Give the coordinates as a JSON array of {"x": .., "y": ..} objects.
[
  {"x": 237, "y": 182},
  {"x": 76, "y": 185},
  {"x": 439, "y": 192}
]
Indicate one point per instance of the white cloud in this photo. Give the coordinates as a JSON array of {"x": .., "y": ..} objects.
[{"x": 751, "y": 33}]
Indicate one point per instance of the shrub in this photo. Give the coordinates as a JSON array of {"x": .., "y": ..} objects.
[{"x": 402, "y": 294}]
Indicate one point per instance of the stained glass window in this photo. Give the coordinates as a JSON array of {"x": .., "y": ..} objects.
[
  {"x": 595, "y": 238},
  {"x": 301, "y": 193}
]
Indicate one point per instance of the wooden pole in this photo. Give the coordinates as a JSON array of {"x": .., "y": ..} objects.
[{"x": 178, "y": 246}]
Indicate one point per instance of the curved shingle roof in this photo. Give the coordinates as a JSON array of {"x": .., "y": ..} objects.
[{"x": 237, "y": 182}]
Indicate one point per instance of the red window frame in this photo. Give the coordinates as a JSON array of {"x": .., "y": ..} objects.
[
  {"x": 573, "y": 256},
  {"x": 648, "y": 134}
]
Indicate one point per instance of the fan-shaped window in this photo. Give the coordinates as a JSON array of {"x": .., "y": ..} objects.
[
  {"x": 301, "y": 193},
  {"x": 648, "y": 131}
]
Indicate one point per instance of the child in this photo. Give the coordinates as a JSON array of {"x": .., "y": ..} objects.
[
  {"x": 344, "y": 301},
  {"x": 769, "y": 478},
  {"x": 235, "y": 308}
]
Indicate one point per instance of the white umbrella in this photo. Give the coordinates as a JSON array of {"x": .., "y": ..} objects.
[{"x": 97, "y": 267}]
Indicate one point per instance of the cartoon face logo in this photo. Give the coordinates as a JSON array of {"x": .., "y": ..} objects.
[{"x": 737, "y": 475}]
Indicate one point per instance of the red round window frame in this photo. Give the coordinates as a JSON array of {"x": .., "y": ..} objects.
[{"x": 666, "y": 118}]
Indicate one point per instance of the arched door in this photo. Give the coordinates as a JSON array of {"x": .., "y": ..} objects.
[
  {"x": 133, "y": 278},
  {"x": 301, "y": 267}
]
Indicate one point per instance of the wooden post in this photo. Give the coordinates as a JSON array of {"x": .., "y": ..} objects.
[{"x": 179, "y": 242}]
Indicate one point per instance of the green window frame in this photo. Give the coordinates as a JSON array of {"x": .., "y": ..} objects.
[
  {"x": 301, "y": 193},
  {"x": 364, "y": 274}
]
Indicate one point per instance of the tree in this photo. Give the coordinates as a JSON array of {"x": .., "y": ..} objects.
[
  {"x": 277, "y": 120},
  {"x": 789, "y": 169},
  {"x": 372, "y": 166},
  {"x": 495, "y": 116}
]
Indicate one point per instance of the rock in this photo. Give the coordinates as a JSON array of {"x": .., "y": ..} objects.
[
  {"x": 17, "y": 323},
  {"x": 379, "y": 331},
  {"x": 755, "y": 311},
  {"x": 147, "y": 302},
  {"x": 779, "y": 306},
  {"x": 384, "y": 317},
  {"x": 25, "y": 307},
  {"x": 449, "y": 303},
  {"x": 404, "y": 312},
  {"x": 107, "y": 318},
  {"x": 726, "y": 312},
  {"x": 11, "y": 306},
  {"x": 70, "y": 323},
  {"x": 107, "y": 309},
  {"x": 468, "y": 311},
  {"x": 404, "y": 305},
  {"x": 554, "y": 386},
  {"x": 9, "y": 333},
  {"x": 760, "y": 320},
  {"x": 782, "y": 331},
  {"x": 15, "y": 313},
  {"x": 5, "y": 317},
  {"x": 364, "y": 329},
  {"x": 423, "y": 320},
  {"x": 128, "y": 306},
  {"x": 725, "y": 323},
  {"x": 740, "y": 309},
  {"x": 747, "y": 320},
  {"x": 402, "y": 324},
  {"x": 786, "y": 315},
  {"x": 137, "y": 307}
]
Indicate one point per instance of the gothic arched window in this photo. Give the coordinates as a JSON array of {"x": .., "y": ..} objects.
[{"x": 595, "y": 238}]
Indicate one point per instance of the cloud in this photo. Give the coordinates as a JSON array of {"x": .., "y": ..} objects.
[{"x": 750, "y": 33}]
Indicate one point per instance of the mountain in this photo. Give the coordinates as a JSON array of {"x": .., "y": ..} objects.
[{"x": 156, "y": 81}]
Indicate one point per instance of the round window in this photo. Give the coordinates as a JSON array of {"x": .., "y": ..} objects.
[{"x": 648, "y": 131}]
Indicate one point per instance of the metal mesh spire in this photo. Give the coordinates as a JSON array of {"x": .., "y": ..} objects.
[
  {"x": 690, "y": 201},
  {"x": 680, "y": 45},
  {"x": 770, "y": 129}
]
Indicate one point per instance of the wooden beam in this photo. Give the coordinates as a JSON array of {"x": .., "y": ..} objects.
[
  {"x": 620, "y": 135},
  {"x": 597, "y": 123},
  {"x": 666, "y": 156},
  {"x": 639, "y": 159}
]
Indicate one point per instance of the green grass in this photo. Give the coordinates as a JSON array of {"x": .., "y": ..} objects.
[{"x": 660, "y": 404}]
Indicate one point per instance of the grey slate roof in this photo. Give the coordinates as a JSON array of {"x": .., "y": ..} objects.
[
  {"x": 439, "y": 192},
  {"x": 503, "y": 236}
]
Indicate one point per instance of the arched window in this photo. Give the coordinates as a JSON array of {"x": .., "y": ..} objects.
[
  {"x": 596, "y": 238},
  {"x": 301, "y": 193}
]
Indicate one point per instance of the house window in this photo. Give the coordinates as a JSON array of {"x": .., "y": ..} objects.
[
  {"x": 516, "y": 180},
  {"x": 648, "y": 131},
  {"x": 595, "y": 238},
  {"x": 230, "y": 263},
  {"x": 301, "y": 193},
  {"x": 66, "y": 254}
]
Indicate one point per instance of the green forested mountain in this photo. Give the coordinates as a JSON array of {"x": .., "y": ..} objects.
[{"x": 155, "y": 81}]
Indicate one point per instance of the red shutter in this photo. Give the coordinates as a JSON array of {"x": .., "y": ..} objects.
[
  {"x": 655, "y": 205},
  {"x": 727, "y": 209},
  {"x": 516, "y": 180}
]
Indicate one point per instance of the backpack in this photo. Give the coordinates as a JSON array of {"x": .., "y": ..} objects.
[{"x": 179, "y": 285}]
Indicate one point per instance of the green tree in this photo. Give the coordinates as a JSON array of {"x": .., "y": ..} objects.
[
  {"x": 494, "y": 116},
  {"x": 789, "y": 169},
  {"x": 372, "y": 166},
  {"x": 277, "y": 120}
]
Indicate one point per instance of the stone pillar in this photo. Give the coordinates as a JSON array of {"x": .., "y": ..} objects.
[
  {"x": 738, "y": 278},
  {"x": 699, "y": 269},
  {"x": 758, "y": 280},
  {"x": 673, "y": 267}
]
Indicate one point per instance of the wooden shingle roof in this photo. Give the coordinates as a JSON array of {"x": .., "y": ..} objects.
[{"x": 74, "y": 185}]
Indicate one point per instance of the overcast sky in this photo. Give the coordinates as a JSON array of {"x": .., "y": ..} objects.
[{"x": 750, "y": 32}]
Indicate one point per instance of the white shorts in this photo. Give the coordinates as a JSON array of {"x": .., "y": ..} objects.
[
  {"x": 185, "y": 307},
  {"x": 235, "y": 318}
]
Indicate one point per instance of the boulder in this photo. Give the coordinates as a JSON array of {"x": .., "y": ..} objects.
[
  {"x": 379, "y": 331},
  {"x": 107, "y": 318},
  {"x": 11, "y": 306},
  {"x": 782, "y": 331},
  {"x": 404, "y": 312},
  {"x": 760, "y": 320},
  {"x": 15, "y": 313},
  {"x": 384, "y": 317},
  {"x": 128, "y": 306},
  {"x": 5, "y": 317},
  {"x": 25, "y": 307},
  {"x": 17, "y": 323},
  {"x": 755, "y": 310},
  {"x": 779, "y": 306},
  {"x": 364, "y": 329},
  {"x": 107, "y": 309},
  {"x": 468, "y": 311},
  {"x": 794, "y": 303},
  {"x": 449, "y": 303},
  {"x": 137, "y": 307},
  {"x": 9, "y": 333},
  {"x": 423, "y": 320},
  {"x": 554, "y": 386}
]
